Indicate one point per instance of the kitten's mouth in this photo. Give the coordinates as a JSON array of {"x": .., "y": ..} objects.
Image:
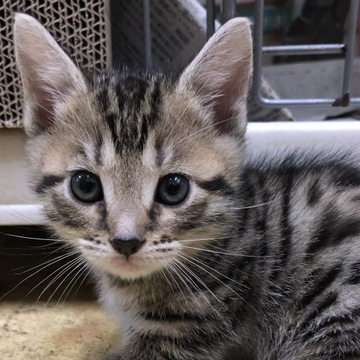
[
  {"x": 128, "y": 264},
  {"x": 130, "y": 268},
  {"x": 137, "y": 265}
]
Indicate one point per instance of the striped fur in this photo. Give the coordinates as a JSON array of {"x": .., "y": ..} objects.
[{"x": 261, "y": 261}]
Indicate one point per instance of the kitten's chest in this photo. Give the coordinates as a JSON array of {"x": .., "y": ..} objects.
[
  {"x": 123, "y": 310},
  {"x": 139, "y": 312},
  {"x": 129, "y": 308}
]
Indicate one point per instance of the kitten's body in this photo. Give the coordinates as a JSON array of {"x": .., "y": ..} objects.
[{"x": 261, "y": 258}]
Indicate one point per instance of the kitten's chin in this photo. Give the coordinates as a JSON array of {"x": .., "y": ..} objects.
[{"x": 126, "y": 268}]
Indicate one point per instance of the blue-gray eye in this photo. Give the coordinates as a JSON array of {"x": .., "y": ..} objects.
[
  {"x": 86, "y": 187},
  {"x": 172, "y": 189}
]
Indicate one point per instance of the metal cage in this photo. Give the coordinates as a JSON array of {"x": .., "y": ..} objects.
[{"x": 347, "y": 49}]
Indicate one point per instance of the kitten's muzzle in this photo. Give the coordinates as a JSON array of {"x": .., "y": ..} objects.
[{"x": 127, "y": 247}]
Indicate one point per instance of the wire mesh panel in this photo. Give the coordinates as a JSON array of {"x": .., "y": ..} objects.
[{"x": 79, "y": 26}]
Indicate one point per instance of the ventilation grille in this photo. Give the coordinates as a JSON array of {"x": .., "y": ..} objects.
[{"x": 79, "y": 26}]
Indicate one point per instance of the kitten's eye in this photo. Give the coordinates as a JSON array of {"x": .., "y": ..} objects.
[
  {"x": 86, "y": 187},
  {"x": 172, "y": 189}
]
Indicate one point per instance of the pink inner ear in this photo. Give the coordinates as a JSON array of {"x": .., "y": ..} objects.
[
  {"x": 224, "y": 115},
  {"x": 43, "y": 110},
  {"x": 42, "y": 102},
  {"x": 40, "y": 96}
]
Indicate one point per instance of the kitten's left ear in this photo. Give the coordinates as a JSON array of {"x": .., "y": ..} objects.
[
  {"x": 219, "y": 75},
  {"x": 47, "y": 73}
]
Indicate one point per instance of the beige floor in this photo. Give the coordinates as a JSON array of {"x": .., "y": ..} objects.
[{"x": 76, "y": 331}]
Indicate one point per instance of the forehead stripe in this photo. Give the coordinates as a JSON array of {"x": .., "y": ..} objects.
[
  {"x": 159, "y": 152},
  {"x": 110, "y": 119},
  {"x": 130, "y": 106},
  {"x": 148, "y": 120},
  {"x": 98, "y": 147}
]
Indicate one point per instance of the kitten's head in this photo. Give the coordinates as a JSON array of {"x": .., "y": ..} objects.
[{"x": 135, "y": 170}]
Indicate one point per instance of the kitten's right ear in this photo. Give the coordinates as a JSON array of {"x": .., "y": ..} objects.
[{"x": 47, "y": 73}]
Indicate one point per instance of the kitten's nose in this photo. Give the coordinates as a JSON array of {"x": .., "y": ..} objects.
[{"x": 127, "y": 247}]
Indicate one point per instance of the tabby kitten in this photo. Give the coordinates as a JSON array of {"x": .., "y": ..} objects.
[{"x": 197, "y": 253}]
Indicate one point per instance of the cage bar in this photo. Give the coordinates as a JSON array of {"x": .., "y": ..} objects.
[
  {"x": 349, "y": 56},
  {"x": 228, "y": 10},
  {"x": 348, "y": 49},
  {"x": 304, "y": 49},
  {"x": 210, "y": 18}
]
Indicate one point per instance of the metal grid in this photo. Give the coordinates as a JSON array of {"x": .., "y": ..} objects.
[
  {"x": 81, "y": 28},
  {"x": 348, "y": 49}
]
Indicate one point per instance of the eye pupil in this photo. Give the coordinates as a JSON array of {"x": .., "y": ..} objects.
[
  {"x": 86, "y": 187},
  {"x": 172, "y": 189},
  {"x": 173, "y": 185}
]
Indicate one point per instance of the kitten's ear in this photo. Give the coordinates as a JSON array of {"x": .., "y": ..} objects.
[
  {"x": 47, "y": 73},
  {"x": 219, "y": 75}
]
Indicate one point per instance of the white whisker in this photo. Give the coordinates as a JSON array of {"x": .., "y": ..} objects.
[
  {"x": 73, "y": 281},
  {"x": 212, "y": 269},
  {"x": 169, "y": 268},
  {"x": 36, "y": 272},
  {"x": 179, "y": 273},
  {"x": 62, "y": 270},
  {"x": 83, "y": 280},
  {"x": 30, "y": 238},
  {"x": 206, "y": 287},
  {"x": 76, "y": 266},
  {"x": 208, "y": 239},
  {"x": 222, "y": 252},
  {"x": 50, "y": 262}
]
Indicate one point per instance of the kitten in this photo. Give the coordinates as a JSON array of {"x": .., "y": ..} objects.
[{"x": 197, "y": 253}]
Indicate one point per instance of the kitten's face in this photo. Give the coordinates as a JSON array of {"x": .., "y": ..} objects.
[
  {"x": 139, "y": 199},
  {"x": 135, "y": 171}
]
